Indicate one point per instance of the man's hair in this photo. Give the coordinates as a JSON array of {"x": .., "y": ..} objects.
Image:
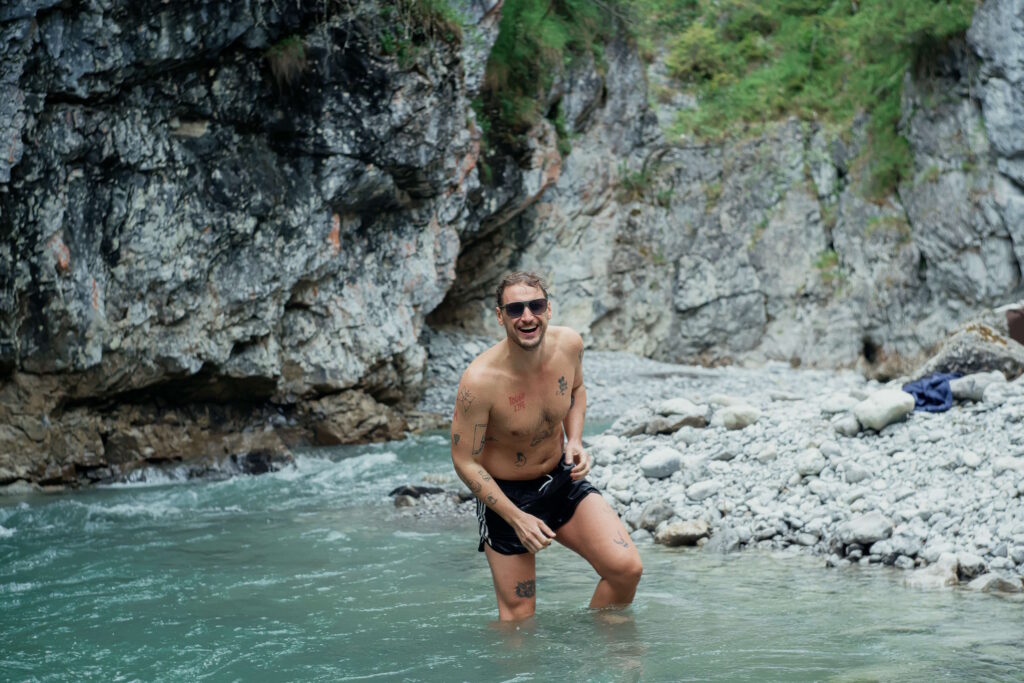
[{"x": 520, "y": 277}]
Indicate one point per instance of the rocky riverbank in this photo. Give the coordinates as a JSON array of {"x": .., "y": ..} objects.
[{"x": 775, "y": 457}]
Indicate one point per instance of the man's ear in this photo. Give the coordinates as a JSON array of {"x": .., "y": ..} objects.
[{"x": 497, "y": 313}]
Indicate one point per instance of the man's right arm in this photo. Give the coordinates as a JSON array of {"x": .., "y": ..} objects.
[{"x": 468, "y": 436}]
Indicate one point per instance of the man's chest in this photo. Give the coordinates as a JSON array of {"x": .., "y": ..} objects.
[{"x": 528, "y": 409}]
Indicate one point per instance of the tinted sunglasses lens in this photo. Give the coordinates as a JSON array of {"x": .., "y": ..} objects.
[
  {"x": 516, "y": 308},
  {"x": 538, "y": 306}
]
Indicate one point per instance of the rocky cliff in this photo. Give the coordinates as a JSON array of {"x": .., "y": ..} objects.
[
  {"x": 766, "y": 247},
  {"x": 223, "y": 225}
]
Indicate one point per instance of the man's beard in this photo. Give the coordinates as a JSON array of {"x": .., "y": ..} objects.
[{"x": 532, "y": 344}]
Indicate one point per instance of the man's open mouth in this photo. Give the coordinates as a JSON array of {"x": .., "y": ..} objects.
[{"x": 529, "y": 330}]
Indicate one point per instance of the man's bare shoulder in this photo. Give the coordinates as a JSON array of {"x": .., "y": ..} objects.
[
  {"x": 566, "y": 339},
  {"x": 484, "y": 370}
]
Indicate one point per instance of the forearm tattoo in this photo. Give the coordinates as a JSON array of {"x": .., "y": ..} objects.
[
  {"x": 491, "y": 500},
  {"x": 473, "y": 485},
  {"x": 479, "y": 434},
  {"x": 526, "y": 589},
  {"x": 483, "y": 474}
]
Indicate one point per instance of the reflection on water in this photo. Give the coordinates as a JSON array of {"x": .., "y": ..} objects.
[{"x": 310, "y": 574}]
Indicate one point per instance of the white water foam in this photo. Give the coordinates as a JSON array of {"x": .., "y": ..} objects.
[{"x": 6, "y": 533}]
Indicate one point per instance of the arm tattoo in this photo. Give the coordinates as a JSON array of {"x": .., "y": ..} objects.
[
  {"x": 526, "y": 589},
  {"x": 483, "y": 474},
  {"x": 619, "y": 540},
  {"x": 456, "y": 437},
  {"x": 479, "y": 432},
  {"x": 491, "y": 500},
  {"x": 562, "y": 385},
  {"x": 466, "y": 399},
  {"x": 520, "y": 460},
  {"x": 473, "y": 484}
]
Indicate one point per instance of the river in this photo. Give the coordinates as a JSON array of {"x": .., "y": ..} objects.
[{"x": 310, "y": 574}]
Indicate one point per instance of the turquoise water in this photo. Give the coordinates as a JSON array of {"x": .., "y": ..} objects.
[{"x": 310, "y": 574}]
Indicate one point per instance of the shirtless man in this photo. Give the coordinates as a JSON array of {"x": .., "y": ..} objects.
[{"x": 516, "y": 443}]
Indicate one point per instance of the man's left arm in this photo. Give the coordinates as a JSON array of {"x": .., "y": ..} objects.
[{"x": 573, "y": 422}]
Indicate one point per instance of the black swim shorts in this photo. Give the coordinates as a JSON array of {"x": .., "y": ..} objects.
[{"x": 552, "y": 498}]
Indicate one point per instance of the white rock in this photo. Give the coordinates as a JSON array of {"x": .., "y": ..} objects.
[
  {"x": 810, "y": 462},
  {"x": 938, "y": 575},
  {"x": 994, "y": 583},
  {"x": 972, "y": 387},
  {"x": 971, "y": 565},
  {"x": 736, "y": 416},
  {"x": 661, "y": 462},
  {"x": 883, "y": 408},
  {"x": 866, "y": 529},
  {"x": 854, "y": 473},
  {"x": 683, "y": 533},
  {"x": 830, "y": 449},
  {"x": 846, "y": 424},
  {"x": 969, "y": 459},
  {"x": 1007, "y": 464},
  {"x": 703, "y": 489},
  {"x": 678, "y": 406},
  {"x": 837, "y": 403}
]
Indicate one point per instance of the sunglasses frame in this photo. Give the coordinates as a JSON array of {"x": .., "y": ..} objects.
[{"x": 525, "y": 304}]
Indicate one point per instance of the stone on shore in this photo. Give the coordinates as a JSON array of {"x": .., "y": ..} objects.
[
  {"x": 938, "y": 575},
  {"x": 683, "y": 533},
  {"x": 737, "y": 416},
  {"x": 994, "y": 583},
  {"x": 656, "y": 512},
  {"x": 972, "y": 387},
  {"x": 810, "y": 462},
  {"x": 661, "y": 462},
  {"x": 683, "y": 413},
  {"x": 866, "y": 529},
  {"x": 883, "y": 408},
  {"x": 846, "y": 424}
]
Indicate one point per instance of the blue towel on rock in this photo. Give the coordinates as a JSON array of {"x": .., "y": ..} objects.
[{"x": 932, "y": 393}]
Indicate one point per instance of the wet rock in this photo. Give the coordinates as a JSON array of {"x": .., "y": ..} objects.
[
  {"x": 415, "y": 491},
  {"x": 866, "y": 529},
  {"x": 938, "y": 575},
  {"x": 971, "y": 565},
  {"x": 996, "y": 583}
]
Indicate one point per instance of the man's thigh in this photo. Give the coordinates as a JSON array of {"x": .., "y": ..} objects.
[
  {"x": 515, "y": 583},
  {"x": 596, "y": 532}
]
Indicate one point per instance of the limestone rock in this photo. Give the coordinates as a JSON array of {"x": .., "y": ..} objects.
[
  {"x": 995, "y": 583},
  {"x": 883, "y": 408},
  {"x": 654, "y": 513},
  {"x": 974, "y": 349},
  {"x": 737, "y": 416},
  {"x": 972, "y": 387},
  {"x": 938, "y": 575},
  {"x": 683, "y": 533},
  {"x": 810, "y": 462},
  {"x": 661, "y": 462},
  {"x": 866, "y": 529}
]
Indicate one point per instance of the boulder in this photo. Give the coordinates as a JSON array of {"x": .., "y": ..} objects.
[
  {"x": 883, "y": 408},
  {"x": 972, "y": 387},
  {"x": 654, "y": 513},
  {"x": 866, "y": 529},
  {"x": 938, "y": 575},
  {"x": 994, "y": 583},
  {"x": 702, "y": 489},
  {"x": 837, "y": 403},
  {"x": 976, "y": 348},
  {"x": 683, "y": 533},
  {"x": 971, "y": 565},
  {"x": 846, "y": 424},
  {"x": 661, "y": 462}
]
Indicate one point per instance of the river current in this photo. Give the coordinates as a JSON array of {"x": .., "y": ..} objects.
[{"x": 310, "y": 574}]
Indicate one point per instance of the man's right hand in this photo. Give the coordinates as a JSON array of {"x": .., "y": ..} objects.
[{"x": 533, "y": 533}]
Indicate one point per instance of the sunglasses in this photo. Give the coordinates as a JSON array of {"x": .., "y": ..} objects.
[{"x": 516, "y": 309}]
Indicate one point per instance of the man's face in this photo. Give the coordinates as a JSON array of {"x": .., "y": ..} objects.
[{"x": 527, "y": 330}]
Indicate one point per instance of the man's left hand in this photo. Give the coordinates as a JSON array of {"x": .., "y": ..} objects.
[{"x": 579, "y": 458}]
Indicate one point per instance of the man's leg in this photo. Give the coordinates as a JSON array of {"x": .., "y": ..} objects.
[
  {"x": 515, "y": 583},
  {"x": 597, "y": 533}
]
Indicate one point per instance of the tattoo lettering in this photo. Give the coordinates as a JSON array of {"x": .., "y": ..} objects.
[
  {"x": 491, "y": 500},
  {"x": 526, "y": 589},
  {"x": 562, "y": 385},
  {"x": 466, "y": 399},
  {"x": 520, "y": 460},
  {"x": 455, "y": 438},
  {"x": 619, "y": 540},
  {"x": 483, "y": 474},
  {"x": 479, "y": 433},
  {"x": 517, "y": 401}
]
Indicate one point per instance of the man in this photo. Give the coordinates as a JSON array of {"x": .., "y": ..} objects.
[{"x": 516, "y": 443}]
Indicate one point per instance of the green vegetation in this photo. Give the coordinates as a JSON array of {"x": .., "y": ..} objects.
[
  {"x": 536, "y": 39},
  {"x": 753, "y": 61},
  {"x": 287, "y": 59},
  {"x": 412, "y": 23}
]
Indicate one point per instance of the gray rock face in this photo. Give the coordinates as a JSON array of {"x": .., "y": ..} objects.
[
  {"x": 884, "y": 408},
  {"x": 236, "y": 207}
]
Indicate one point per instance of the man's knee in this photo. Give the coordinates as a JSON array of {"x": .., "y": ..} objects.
[
  {"x": 515, "y": 611},
  {"x": 626, "y": 571}
]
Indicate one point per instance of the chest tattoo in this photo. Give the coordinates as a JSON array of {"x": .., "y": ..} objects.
[
  {"x": 562, "y": 385},
  {"x": 517, "y": 402}
]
